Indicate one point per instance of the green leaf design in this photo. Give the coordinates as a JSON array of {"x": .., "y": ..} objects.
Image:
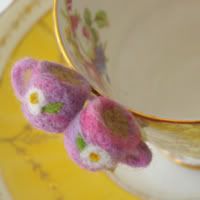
[
  {"x": 52, "y": 108},
  {"x": 80, "y": 143},
  {"x": 95, "y": 35},
  {"x": 64, "y": 13},
  {"x": 101, "y": 19},
  {"x": 88, "y": 17}
]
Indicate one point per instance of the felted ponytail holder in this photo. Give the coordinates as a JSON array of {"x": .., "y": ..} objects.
[
  {"x": 98, "y": 136},
  {"x": 103, "y": 134},
  {"x": 51, "y": 95}
]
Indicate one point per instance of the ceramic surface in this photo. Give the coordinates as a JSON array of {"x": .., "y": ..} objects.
[
  {"x": 117, "y": 55},
  {"x": 145, "y": 55}
]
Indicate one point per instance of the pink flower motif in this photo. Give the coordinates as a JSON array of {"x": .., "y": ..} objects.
[
  {"x": 74, "y": 22},
  {"x": 92, "y": 71},
  {"x": 69, "y": 5},
  {"x": 86, "y": 32}
]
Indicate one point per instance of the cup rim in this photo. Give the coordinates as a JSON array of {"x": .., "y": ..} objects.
[{"x": 96, "y": 91}]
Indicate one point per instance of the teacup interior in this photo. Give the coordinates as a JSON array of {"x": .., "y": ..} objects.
[
  {"x": 153, "y": 54},
  {"x": 155, "y": 68}
]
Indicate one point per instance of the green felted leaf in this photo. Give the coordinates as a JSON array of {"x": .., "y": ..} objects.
[
  {"x": 87, "y": 17},
  {"x": 52, "y": 108},
  {"x": 80, "y": 143},
  {"x": 101, "y": 19}
]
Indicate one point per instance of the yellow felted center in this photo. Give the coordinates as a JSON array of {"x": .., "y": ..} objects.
[
  {"x": 94, "y": 157},
  {"x": 34, "y": 99}
]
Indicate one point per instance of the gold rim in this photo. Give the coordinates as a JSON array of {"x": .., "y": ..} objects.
[
  {"x": 177, "y": 161},
  {"x": 182, "y": 164},
  {"x": 188, "y": 166},
  {"x": 70, "y": 63},
  {"x": 58, "y": 36}
]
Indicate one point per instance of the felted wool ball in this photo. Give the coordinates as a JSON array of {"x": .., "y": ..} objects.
[
  {"x": 104, "y": 134},
  {"x": 85, "y": 154},
  {"x": 51, "y": 94}
]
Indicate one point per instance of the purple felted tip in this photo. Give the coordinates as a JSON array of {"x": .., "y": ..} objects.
[{"x": 52, "y": 95}]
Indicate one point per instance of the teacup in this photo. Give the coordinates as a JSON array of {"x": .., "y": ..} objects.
[{"x": 145, "y": 55}]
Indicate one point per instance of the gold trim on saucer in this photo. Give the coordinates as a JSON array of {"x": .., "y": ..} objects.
[
  {"x": 191, "y": 167},
  {"x": 185, "y": 165},
  {"x": 177, "y": 161}
]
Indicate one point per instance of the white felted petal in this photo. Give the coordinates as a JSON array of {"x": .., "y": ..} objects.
[
  {"x": 35, "y": 108},
  {"x": 104, "y": 161}
]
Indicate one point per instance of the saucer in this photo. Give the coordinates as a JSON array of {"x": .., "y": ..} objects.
[{"x": 161, "y": 180}]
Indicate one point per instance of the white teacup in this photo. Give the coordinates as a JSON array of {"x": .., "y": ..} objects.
[{"x": 145, "y": 55}]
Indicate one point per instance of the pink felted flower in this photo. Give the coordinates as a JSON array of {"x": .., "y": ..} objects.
[
  {"x": 51, "y": 94},
  {"x": 104, "y": 134}
]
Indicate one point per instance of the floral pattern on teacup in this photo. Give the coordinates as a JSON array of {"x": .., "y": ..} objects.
[{"x": 83, "y": 34}]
